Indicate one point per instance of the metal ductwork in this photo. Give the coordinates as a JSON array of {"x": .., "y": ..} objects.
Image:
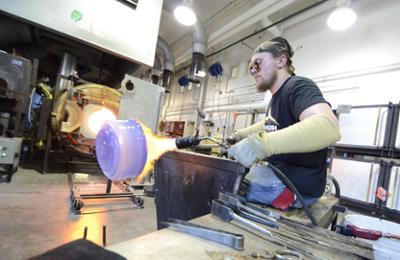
[
  {"x": 199, "y": 45},
  {"x": 197, "y": 68},
  {"x": 199, "y": 39},
  {"x": 166, "y": 83},
  {"x": 156, "y": 70},
  {"x": 166, "y": 51},
  {"x": 168, "y": 62}
]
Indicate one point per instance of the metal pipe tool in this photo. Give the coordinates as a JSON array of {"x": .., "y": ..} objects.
[
  {"x": 235, "y": 241},
  {"x": 237, "y": 203},
  {"x": 226, "y": 214}
]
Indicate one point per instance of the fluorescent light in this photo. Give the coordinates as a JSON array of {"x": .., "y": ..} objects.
[
  {"x": 341, "y": 18},
  {"x": 185, "y": 15}
]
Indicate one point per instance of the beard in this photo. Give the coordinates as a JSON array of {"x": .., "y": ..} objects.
[{"x": 267, "y": 84}]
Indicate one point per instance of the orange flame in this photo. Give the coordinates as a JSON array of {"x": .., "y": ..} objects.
[{"x": 156, "y": 146}]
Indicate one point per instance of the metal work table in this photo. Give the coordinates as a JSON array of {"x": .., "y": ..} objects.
[
  {"x": 319, "y": 243},
  {"x": 187, "y": 183}
]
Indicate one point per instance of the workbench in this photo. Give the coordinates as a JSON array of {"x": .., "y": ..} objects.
[
  {"x": 314, "y": 242},
  {"x": 187, "y": 183}
]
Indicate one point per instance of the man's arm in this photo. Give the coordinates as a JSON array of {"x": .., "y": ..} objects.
[
  {"x": 320, "y": 108},
  {"x": 318, "y": 128},
  {"x": 245, "y": 132}
]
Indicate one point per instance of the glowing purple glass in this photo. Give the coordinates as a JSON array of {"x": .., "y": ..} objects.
[{"x": 121, "y": 149}]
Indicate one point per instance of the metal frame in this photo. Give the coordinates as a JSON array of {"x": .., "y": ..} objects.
[
  {"x": 391, "y": 128},
  {"x": 359, "y": 150},
  {"x": 383, "y": 155},
  {"x": 370, "y": 209},
  {"x": 393, "y": 151},
  {"x": 379, "y": 207},
  {"x": 77, "y": 199}
]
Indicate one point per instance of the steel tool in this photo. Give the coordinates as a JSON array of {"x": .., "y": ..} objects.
[
  {"x": 256, "y": 219},
  {"x": 235, "y": 241},
  {"x": 226, "y": 214},
  {"x": 237, "y": 203}
]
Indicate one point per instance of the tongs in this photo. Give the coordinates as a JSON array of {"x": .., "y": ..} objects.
[{"x": 242, "y": 208}]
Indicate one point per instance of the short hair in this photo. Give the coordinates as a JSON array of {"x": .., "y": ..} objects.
[{"x": 278, "y": 46}]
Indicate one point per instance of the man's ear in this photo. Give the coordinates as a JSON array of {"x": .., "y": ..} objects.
[{"x": 282, "y": 61}]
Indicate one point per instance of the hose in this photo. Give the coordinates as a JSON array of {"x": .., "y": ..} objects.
[
  {"x": 290, "y": 185},
  {"x": 336, "y": 185}
]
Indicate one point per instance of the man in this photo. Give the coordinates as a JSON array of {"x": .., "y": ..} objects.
[{"x": 293, "y": 137}]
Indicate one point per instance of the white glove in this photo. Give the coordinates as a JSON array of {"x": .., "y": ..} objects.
[{"x": 243, "y": 153}]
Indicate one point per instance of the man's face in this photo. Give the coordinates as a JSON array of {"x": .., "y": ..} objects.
[{"x": 264, "y": 69}]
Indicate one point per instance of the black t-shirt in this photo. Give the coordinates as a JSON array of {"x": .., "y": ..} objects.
[{"x": 307, "y": 171}]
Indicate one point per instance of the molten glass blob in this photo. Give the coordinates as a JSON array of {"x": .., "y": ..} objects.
[
  {"x": 126, "y": 149},
  {"x": 97, "y": 118}
]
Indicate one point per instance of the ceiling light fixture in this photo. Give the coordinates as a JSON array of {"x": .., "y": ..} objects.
[
  {"x": 185, "y": 14},
  {"x": 342, "y": 17}
]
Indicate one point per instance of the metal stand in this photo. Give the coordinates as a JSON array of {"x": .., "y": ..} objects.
[
  {"x": 77, "y": 198},
  {"x": 9, "y": 171}
]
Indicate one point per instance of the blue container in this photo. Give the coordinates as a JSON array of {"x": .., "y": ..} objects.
[{"x": 121, "y": 149}]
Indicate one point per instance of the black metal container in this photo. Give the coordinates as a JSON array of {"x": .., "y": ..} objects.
[{"x": 186, "y": 183}]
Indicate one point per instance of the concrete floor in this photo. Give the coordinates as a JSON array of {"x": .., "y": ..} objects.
[{"x": 35, "y": 214}]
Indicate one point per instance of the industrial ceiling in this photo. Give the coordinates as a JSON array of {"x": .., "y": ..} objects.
[{"x": 226, "y": 21}]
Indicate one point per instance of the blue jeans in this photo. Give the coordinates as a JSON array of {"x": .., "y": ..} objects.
[{"x": 264, "y": 187}]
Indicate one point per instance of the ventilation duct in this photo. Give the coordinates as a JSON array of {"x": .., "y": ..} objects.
[
  {"x": 199, "y": 46},
  {"x": 197, "y": 68},
  {"x": 168, "y": 62},
  {"x": 156, "y": 70},
  {"x": 167, "y": 74}
]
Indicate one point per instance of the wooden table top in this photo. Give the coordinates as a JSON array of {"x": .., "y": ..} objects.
[{"x": 312, "y": 242}]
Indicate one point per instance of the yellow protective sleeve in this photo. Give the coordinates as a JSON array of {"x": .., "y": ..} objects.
[
  {"x": 312, "y": 134},
  {"x": 254, "y": 128}
]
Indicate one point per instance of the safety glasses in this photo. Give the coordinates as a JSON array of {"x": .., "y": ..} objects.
[{"x": 254, "y": 66}]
